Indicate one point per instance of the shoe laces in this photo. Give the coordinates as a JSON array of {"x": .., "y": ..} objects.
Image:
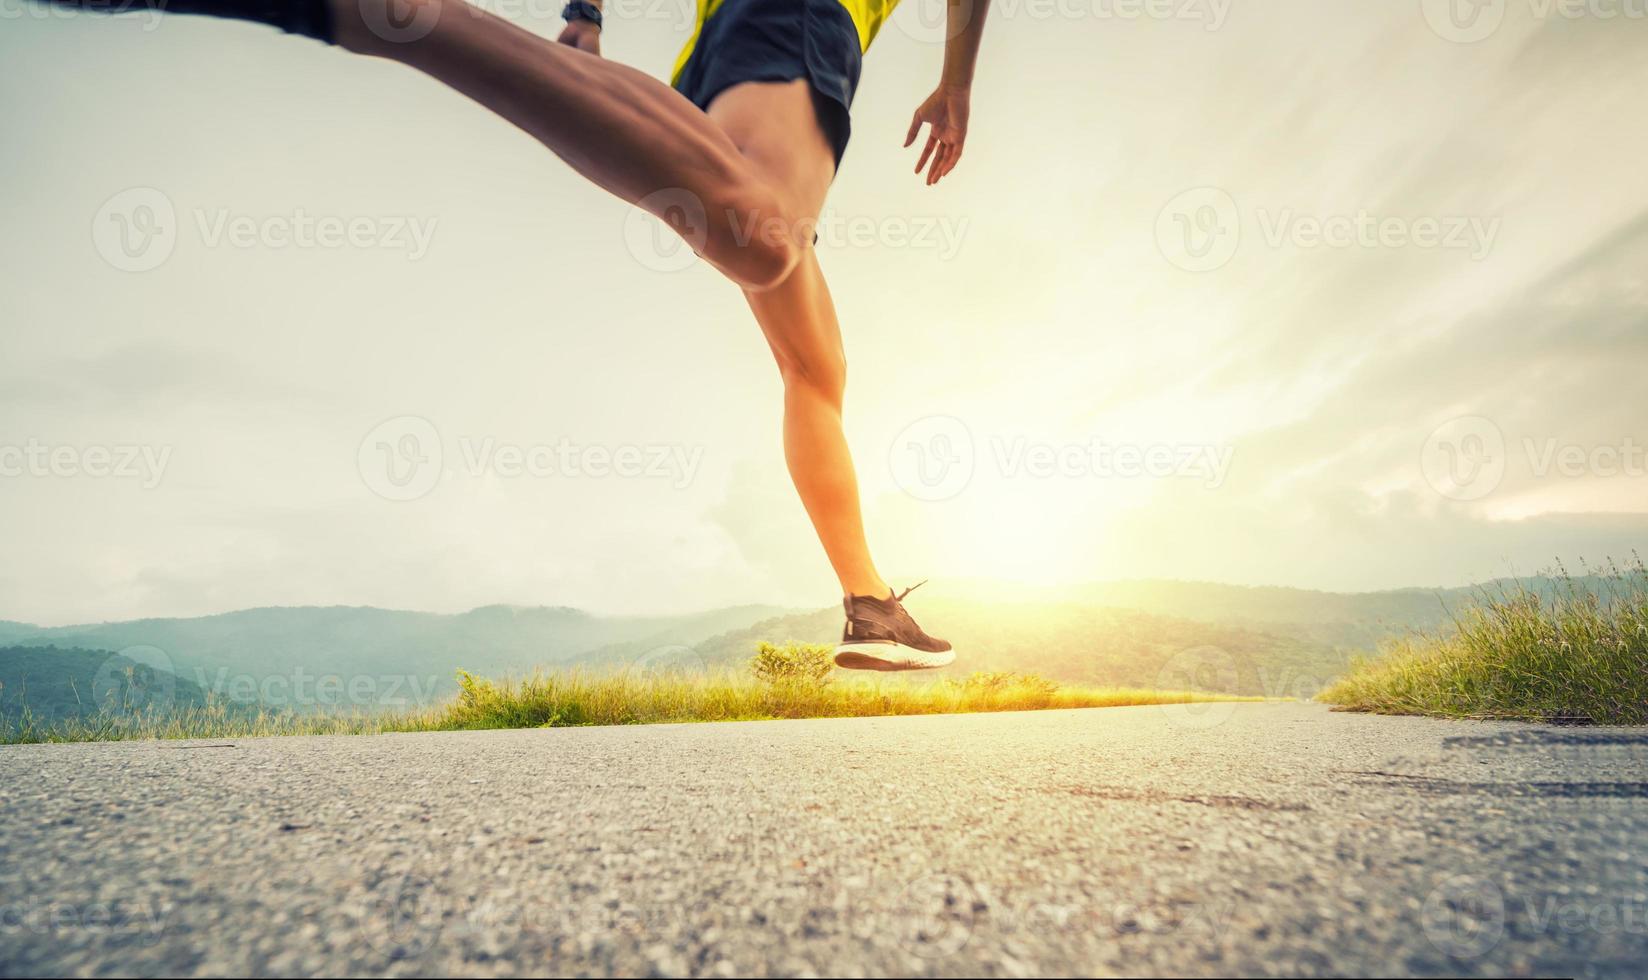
[{"x": 900, "y": 597}]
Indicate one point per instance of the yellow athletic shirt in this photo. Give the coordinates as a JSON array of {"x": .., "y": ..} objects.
[{"x": 867, "y": 15}]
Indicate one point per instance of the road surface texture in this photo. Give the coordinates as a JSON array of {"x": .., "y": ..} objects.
[{"x": 1276, "y": 839}]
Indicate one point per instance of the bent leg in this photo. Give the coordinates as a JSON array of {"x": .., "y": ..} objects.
[
  {"x": 621, "y": 128},
  {"x": 775, "y": 127}
]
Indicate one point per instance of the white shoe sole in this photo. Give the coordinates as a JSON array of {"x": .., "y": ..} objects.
[{"x": 889, "y": 656}]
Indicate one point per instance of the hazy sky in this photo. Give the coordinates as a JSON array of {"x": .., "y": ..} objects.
[{"x": 1323, "y": 293}]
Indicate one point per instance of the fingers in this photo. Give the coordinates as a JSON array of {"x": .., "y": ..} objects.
[
  {"x": 941, "y": 153},
  {"x": 943, "y": 162},
  {"x": 932, "y": 171},
  {"x": 915, "y": 127},
  {"x": 932, "y": 144}
]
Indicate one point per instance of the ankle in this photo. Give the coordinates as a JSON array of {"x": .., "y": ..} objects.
[{"x": 872, "y": 586}]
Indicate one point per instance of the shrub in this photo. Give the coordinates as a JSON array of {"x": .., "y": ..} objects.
[
  {"x": 1572, "y": 656},
  {"x": 808, "y": 663}
]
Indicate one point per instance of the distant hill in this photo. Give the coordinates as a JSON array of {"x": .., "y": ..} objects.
[
  {"x": 1086, "y": 644},
  {"x": 1278, "y": 642},
  {"x": 58, "y": 683},
  {"x": 391, "y": 654},
  {"x": 1272, "y": 641}
]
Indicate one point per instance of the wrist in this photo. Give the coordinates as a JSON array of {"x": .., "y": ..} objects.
[{"x": 583, "y": 12}]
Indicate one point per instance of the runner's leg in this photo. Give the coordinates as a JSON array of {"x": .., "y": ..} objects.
[
  {"x": 775, "y": 127},
  {"x": 621, "y": 128}
]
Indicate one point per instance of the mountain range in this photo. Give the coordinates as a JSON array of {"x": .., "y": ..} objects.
[{"x": 1253, "y": 640}]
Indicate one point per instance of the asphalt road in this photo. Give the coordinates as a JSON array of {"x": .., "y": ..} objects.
[{"x": 1209, "y": 840}]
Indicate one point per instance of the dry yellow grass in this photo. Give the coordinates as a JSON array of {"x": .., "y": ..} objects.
[{"x": 786, "y": 682}]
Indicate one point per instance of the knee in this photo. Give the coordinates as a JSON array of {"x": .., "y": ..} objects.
[{"x": 755, "y": 239}]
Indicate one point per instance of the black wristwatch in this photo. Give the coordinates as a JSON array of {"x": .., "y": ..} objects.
[{"x": 582, "y": 10}]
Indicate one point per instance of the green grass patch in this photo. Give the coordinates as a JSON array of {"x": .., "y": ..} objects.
[
  {"x": 780, "y": 682},
  {"x": 1578, "y": 656}
]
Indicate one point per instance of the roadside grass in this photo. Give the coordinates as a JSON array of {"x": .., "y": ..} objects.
[
  {"x": 1574, "y": 657},
  {"x": 779, "y": 682}
]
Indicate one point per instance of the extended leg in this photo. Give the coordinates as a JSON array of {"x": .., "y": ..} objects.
[
  {"x": 624, "y": 130},
  {"x": 621, "y": 128}
]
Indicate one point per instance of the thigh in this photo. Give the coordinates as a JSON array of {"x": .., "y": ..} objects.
[{"x": 776, "y": 128}]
